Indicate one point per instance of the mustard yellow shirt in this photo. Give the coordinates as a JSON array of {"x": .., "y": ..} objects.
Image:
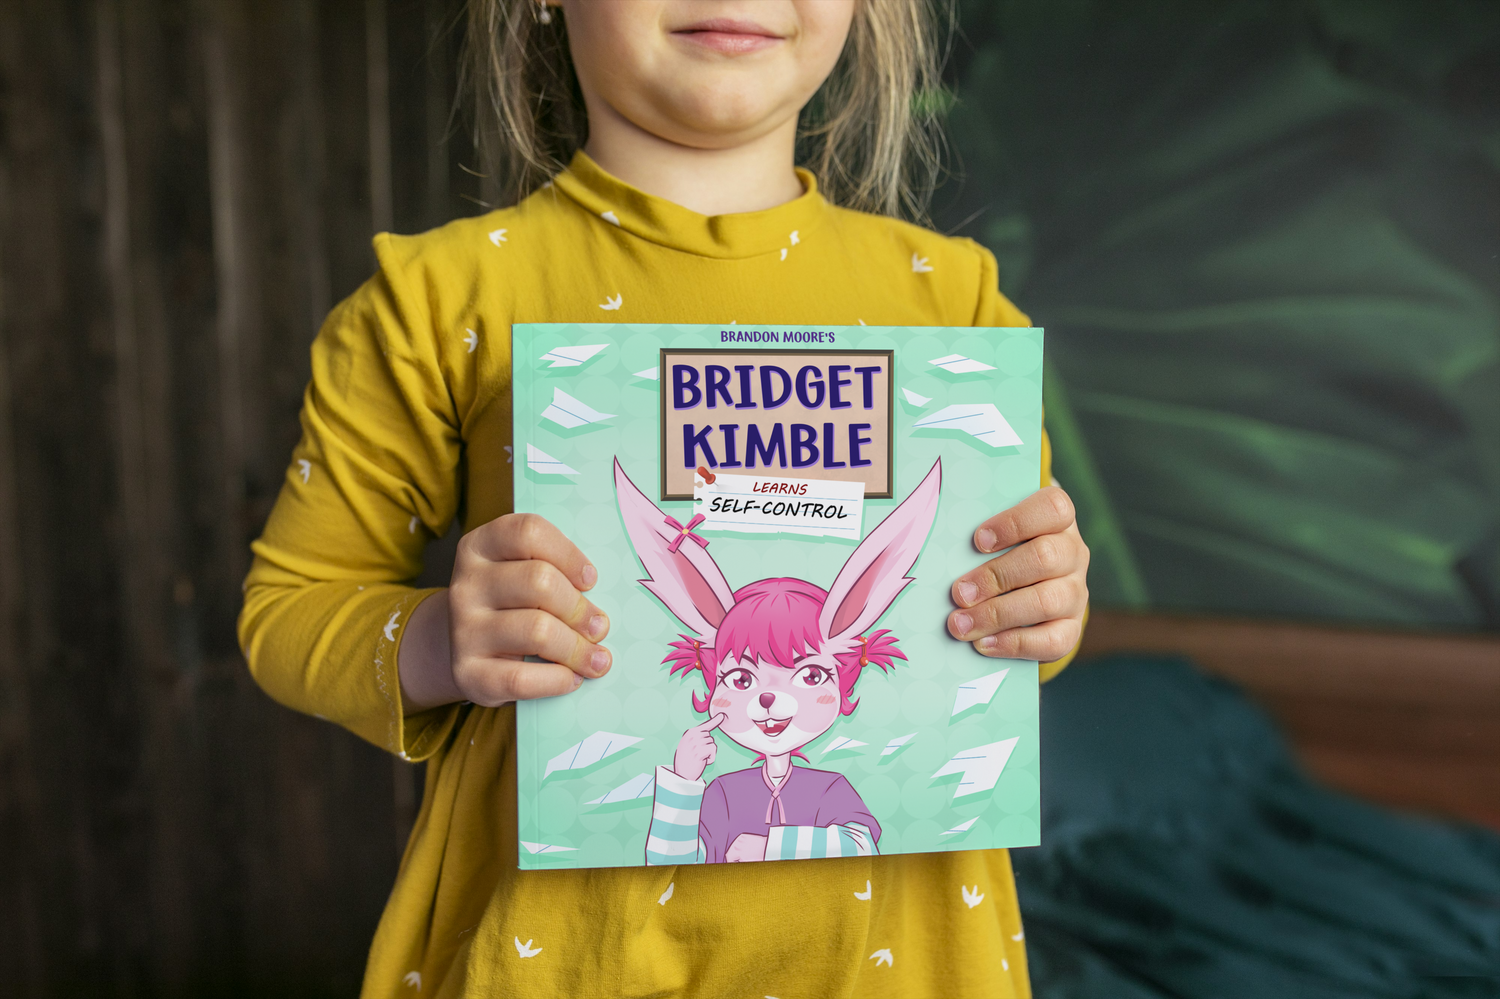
[{"x": 406, "y": 425}]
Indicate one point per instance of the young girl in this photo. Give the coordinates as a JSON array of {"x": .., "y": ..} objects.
[{"x": 650, "y": 146}]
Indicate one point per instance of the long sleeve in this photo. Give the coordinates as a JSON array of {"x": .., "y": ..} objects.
[
  {"x": 676, "y": 807},
  {"x": 373, "y": 478},
  {"x": 844, "y": 827}
]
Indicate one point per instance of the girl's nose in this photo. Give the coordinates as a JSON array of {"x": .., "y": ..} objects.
[{"x": 767, "y": 699}]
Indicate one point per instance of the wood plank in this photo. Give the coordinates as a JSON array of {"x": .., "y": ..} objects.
[
  {"x": 1408, "y": 719},
  {"x": 1353, "y": 664}
]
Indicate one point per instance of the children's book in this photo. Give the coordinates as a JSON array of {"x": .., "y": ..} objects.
[{"x": 777, "y": 515}]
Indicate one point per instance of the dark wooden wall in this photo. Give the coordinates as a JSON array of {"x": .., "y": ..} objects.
[{"x": 185, "y": 189}]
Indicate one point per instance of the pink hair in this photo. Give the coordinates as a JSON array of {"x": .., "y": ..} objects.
[{"x": 776, "y": 620}]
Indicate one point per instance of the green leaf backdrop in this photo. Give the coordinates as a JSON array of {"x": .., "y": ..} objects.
[{"x": 1264, "y": 238}]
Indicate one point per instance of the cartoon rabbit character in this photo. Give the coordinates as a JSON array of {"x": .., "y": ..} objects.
[{"x": 780, "y": 658}]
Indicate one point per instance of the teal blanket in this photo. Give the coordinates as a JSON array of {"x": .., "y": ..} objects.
[{"x": 1185, "y": 855}]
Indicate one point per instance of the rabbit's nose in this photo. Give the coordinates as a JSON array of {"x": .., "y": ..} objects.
[{"x": 767, "y": 699}]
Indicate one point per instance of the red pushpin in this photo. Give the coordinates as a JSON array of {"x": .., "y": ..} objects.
[{"x": 708, "y": 477}]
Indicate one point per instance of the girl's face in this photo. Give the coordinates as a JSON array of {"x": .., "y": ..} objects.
[
  {"x": 772, "y": 709},
  {"x": 710, "y": 74}
]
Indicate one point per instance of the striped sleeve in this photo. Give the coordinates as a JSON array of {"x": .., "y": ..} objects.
[
  {"x": 675, "y": 807},
  {"x": 851, "y": 839}
]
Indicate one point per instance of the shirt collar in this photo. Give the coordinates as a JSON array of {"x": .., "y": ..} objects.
[{"x": 747, "y": 234}]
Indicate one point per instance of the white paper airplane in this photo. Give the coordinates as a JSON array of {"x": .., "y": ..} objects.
[
  {"x": 914, "y": 399},
  {"x": 958, "y": 364},
  {"x": 919, "y": 265},
  {"x": 842, "y": 742},
  {"x": 980, "y": 766},
  {"x": 568, "y": 412},
  {"x": 896, "y": 744},
  {"x": 610, "y": 217},
  {"x": 591, "y": 750},
  {"x": 961, "y": 827},
  {"x": 611, "y": 303},
  {"x": 498, "y": 236},
  {"x": 666, "y": 894},
  {"x": 972, "y": 898},
  {"x": 546, "y": 848},
  {"x": 639, "y": 786},
  {"x": 524, "y": 949},
  {"x": 978, "y": 691},
  {"x": 652, "y": 373},
  {"x": 864, "y": 896},
  {"x": 540, "y": 461},
  {"x": 980, "y": 420},
  {"x": 882, "y": 956},
  {"x": 572, "y": 357}
]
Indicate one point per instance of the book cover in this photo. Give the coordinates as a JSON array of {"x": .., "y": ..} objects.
[{"x": 777, "y": 515}]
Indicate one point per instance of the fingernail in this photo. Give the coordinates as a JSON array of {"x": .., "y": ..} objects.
[
  {"x": 987, "y": 644},
  {"x": 962, "y": 623},
  {"x": 590, "y": 576},
  {"x": 599, "y": 662},
  {"x": 597, "y": 624},
  {"x": 967, "y": 592},
  {"x": 985, "y": 539},
  {"x": 577, "y": 681}
]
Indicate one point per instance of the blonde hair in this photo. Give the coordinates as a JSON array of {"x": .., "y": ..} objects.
[{"x": 870, "y": 135}]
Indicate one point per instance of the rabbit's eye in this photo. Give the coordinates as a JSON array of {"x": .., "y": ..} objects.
[
  {"x": 812, "y": 676},
  {"x": 740, "y": 679}
]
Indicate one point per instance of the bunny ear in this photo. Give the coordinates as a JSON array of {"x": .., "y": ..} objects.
[
  {"x": 687, "y": 581},
  {"x": 876, "y": 573}
]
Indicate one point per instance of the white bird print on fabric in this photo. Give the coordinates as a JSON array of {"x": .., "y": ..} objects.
[
  {"x": 498, "y": 236},
  {"x": 611, "y": 304},
  {"x": 864, "y": 896},
  {"x": 472, "y": 339},
  {"x": 972, "y": 898},
  {"x": 411, "y": 526},
  {"x": 304, "y": 469},
  {"x": 413, "y": 979},
  {"x": 783, "y": 253},
  {"x": 795, "y": 238},
  {"x": 666, "y": 894},
  {"x": 882, "y": 956},
  {"x": 510, "y": 454},
  {"x": 524, "y": 949},
  {"x": 391, "y": 626},
  {"x": 1018, "y": 936},
  {"x": 919, "y": 265},
  {"x": 610, "y": 217}
]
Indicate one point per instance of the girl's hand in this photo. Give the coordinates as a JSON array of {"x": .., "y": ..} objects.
[
  {"x": 746, "y": 847},
  {"x": 697, "y": 749},
  {"x": 1029, "y": 602},
  {"x": 516, "y": 591}
]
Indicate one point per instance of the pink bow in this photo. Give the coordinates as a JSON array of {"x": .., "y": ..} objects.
[
  {"x": 686, "y": 532},
  {"x": 775, "y": 801}
]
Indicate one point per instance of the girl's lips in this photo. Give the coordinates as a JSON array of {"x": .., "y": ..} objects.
[
  {"x": 773, "y": 728},
  {"x": 729, "y": 36}
]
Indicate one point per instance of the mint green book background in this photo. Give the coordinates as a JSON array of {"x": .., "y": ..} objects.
[{"x": 638, "y": 698}]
